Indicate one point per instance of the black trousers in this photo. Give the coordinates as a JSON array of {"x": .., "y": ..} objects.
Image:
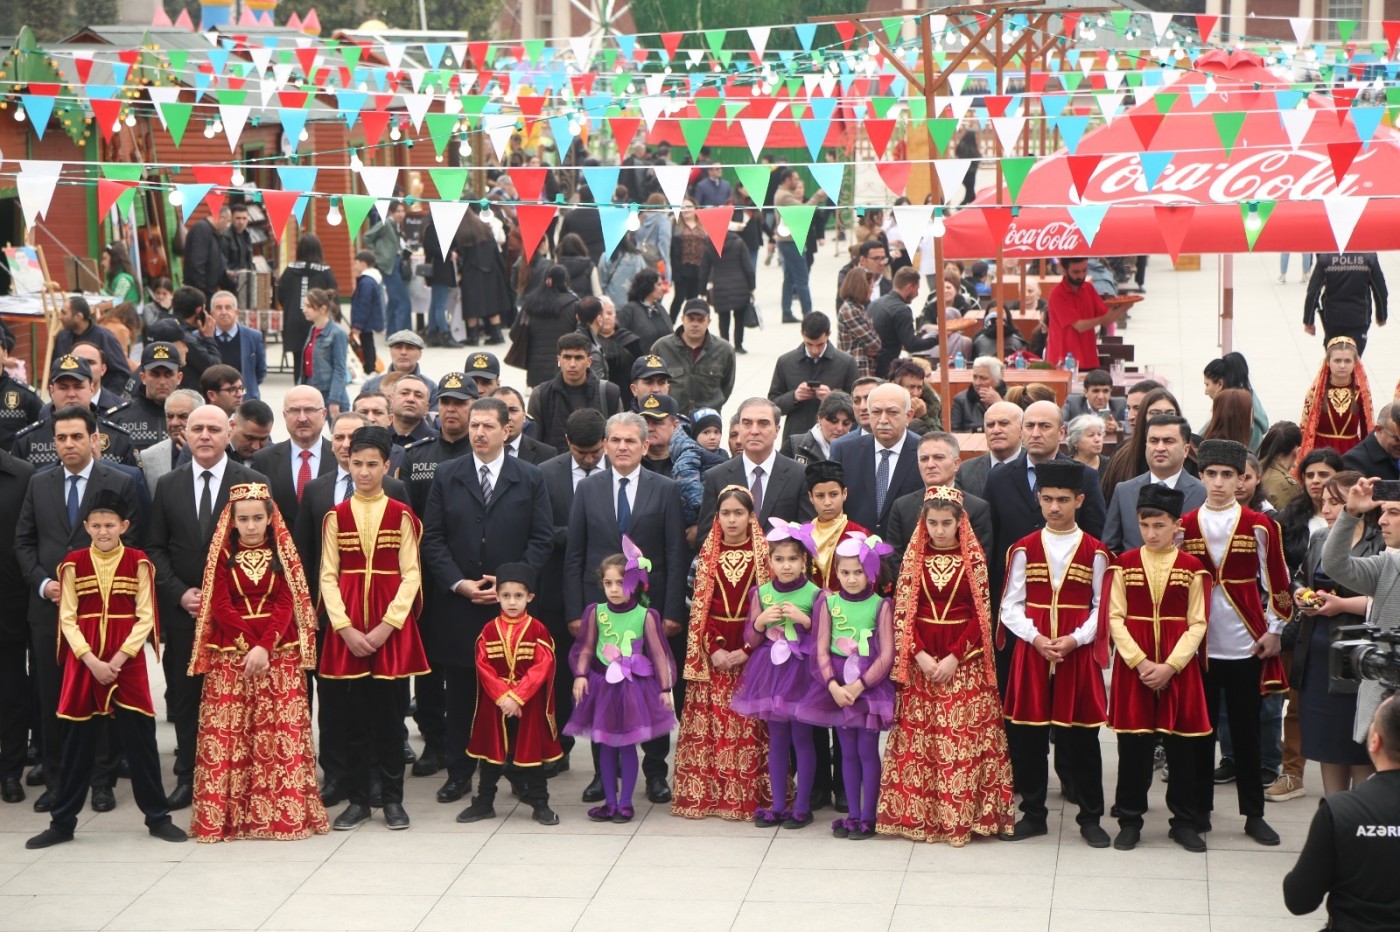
[
  {"x": 738, "y": 316},
  {"x": 460, "y": 683},
  {"x": 1135, "y": 778},
  {"x": 534, "y": 788},
  {"x": 367, "y": 354},
  {"x": 431, "y": 711},
  {"x": 1076, "y": 750},
  {"x": 563, "y": 674},
  {"x": 15, "y": 695},
  {"x": 828, "y": 779},
  {"x": 654, "y": 752},
  {"x": 182, "y": 693},
  {"x": 80, "y": 743},
  {"x": 1240, "y": 681},
  {"x": 1358, "y": 335},
  {"x": 372, "y": 712}
]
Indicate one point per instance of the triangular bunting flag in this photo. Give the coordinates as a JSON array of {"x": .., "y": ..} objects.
[
  {"x": 674, "y": 179},
  {"x": 1342, "y": 155},
  {"x": 1174, "y": 223},
  {"x": 829, "y": 176},
  {"x": 534, "y": 220},
  {"x": 895, "y": 175},
  {"x": 879, "y": 132},
  {"x": 613, "y": 219},
  {"x": 950, "y": 176},
  {"x": 998, "y": 220},
  {"x": 449, "y": 183},
  {"x": 1343, "y": 214},
  {"x": 798, "y": 219},
  {"x": 1296, "y": 124},
  {"x": 219, "y": 177},
  {"x": 1088, "y": 217},
  {"x": 601, "y": 180},
  {"x": 1153, "y": 164},
  {"x": 191, "y": 196},
  {"x": 355, "y": 208},
  {"x": 1146, "y": 123},
  {"x": 754, "y": 178},
  {"x": 1081, "y": 169},
  {"x": 1254, "y": 215},
  {"x": 111, "y": 192},
  {"x": 1227, "y": 127},
  {"x": 1014, "y": 172},
  {"x": 447, "y": 218},
  {"x": 715, "y": 220},
  {"x": 529, "y": 182},
  {"x": 914, "y": 222},
  {"x": 279, "y": 206}
]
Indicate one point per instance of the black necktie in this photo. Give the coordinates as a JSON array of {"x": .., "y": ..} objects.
[
  {"x": 624, "y": 507},
  {"x": 349, "y": 487},
  {"x": 206, "y": 505}
]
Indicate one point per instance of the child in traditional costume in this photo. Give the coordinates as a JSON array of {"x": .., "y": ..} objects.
[
  {"x": 371, "y": 588},
  {"x": 1054, "y": 577},
  {"x": 720, "y": 754},
  {"x": 106, "y": 613},
  {"x": 946, "y": 774},
  {"x": 1156, "y": 614},
  {"x": 1337, "y": 409},
  {"x": 776, "y": 676},
  {"x": 514, "y": 721},
  {"x": 851, "y": 692},
  {"x": 255, "y": 768},
  {"x": 623, "y": 676}
]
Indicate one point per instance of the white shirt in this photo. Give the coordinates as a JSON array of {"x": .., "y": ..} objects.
[
  {"x": 493, "y": 468},
  {"x": 222, "y": 335},
  {"x": 768, "y": 464},
  {"x": 998, "y": 461},
  {"x": 1226, "y": 637},
  {"x": 340, "y": 477},
  {"x": 83, "y": 476},
  {"x": 895, "y": 452},
  {"x": 816, "y": 433},
  {"x": 632, "y": 478},
  {"x": 577, "y": 473},
  {"x": 512, "y": 447},
  {"x": 1171, "y": 480},
  {"x": 217, "y": 470},
  {"x": 1059, "y": 550},
  {"x": 315, "y": 460}
]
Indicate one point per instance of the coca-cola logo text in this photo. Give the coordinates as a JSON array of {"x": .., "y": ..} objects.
[
  {"x": 1275, "y": 175},
  {"x": 1053, "y": 239}
]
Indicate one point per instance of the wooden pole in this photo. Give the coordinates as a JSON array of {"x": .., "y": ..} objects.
[{"x": 52, "y": 304}]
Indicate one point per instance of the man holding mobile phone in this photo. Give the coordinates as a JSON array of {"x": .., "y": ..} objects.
[{"x": 803, "y": 377}]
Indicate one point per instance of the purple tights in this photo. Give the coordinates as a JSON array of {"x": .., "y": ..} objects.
[
  {"x": 783, "y": 737},
  {"x": 860, "y": 769},
  {"x": 610, "y": 760}
]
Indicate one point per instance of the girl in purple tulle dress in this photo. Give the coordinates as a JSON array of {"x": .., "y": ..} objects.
[
  {"x": 775, "y": 678},
  {"x": 623, "y": 674},
  {"x": 853, "y": 652}
]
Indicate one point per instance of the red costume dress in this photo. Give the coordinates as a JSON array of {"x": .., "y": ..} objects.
[
  {"x": 255, "y": 765},
  {"x": 515, "y": 657},
  {"x": 110, "y": 610},
  {"x": 946, "y": 775},
  {"x": 1336, "y": 417},
  {"x": 721, "y": 756}
]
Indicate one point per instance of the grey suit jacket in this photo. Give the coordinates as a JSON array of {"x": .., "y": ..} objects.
[
  {"x": 155, "y": 462},
  {"x": 1120, "y": 528},
  {"x": 972, "y": 474}
]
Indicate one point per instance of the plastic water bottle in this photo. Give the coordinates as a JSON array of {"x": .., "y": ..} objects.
[
  {"x": 1069, "y": 364},
  {"x": 1020, "y": 361},
  {"x": 958, "y": 361}
]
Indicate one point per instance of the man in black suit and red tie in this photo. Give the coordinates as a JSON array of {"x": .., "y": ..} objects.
[
  {"x": 293, "y": 463},
  {"x": 184, "y": 510}
]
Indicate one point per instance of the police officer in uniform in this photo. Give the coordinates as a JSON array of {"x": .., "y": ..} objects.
[
  {"x": 144, "y": 416},
  {"x": 71, "y": 383},
  {"x": 456, "y": 392},
  {"x": 19, "y": 405},
  {"x": 107, "y": 401}
]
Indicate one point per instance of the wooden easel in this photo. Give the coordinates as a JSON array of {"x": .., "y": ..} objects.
[{"x": 52, "y": 302}]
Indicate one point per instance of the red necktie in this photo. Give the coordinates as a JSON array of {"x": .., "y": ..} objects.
[{"x": 303, "y": 474}]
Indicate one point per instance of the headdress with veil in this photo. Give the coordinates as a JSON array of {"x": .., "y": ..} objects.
[
  {"x": 1313, "y": 404},
  {"x": 697, "y": 664},
  {"x": 911, "y": 573},
  {"x": 221, "y": 550}
]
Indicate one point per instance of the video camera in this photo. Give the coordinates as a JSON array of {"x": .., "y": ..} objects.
[{"x": 1365, "y": 652}]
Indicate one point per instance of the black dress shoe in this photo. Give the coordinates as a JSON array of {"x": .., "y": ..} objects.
[
  {"x": 454, "y": 789},
  {"x": 1128, "y": 838},
  {"x": 839, "y": 801},
  {"x": 1188, "y": 838},
  {"x": 1255, "y": 827},
  {"x": 408, "y": 755},
  {"x": 1094, "y": 835},
  {"x": 103, "y": 799},
  {"x": 429, "y": 762},
  {"x": 12, "y": 790},
  {"x": 353, "y": 815},
  {"x": 818, "y": 800},
  {"x": 48, "y": 838},
  {"x": 658, "y": 790},
  {"x": 332, "y": 793},
  {"x": 46, "y": 801},
  {"x": 478, "y": 811},
  {"x": 35, "y": 777},
  {"x": 1027, "y": 828},
  {"x": 545, "y": 815},
  {"x": 180, "y": 797},
  {"x": 168, "y": 831},
  {"x": 394, "y": 816},
  {"x": 593, "y": 792}
]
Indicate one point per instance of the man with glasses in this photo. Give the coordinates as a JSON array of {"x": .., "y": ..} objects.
[
  {"x": 292, "y": 464},
  {"x": 239, "y": 346},
  {"x": 873, "y": 256},
  {"x": 222, "y": 386},
  {"x": 1378, "y": 456}
]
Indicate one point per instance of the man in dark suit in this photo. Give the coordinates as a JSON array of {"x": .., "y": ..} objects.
[
  {"x": 48, "y": 530},
  {"x": 321, "y": 495},
  {"x": 802, "y": 378},
  {"x": 1097, "y": 398},
  {"x": 583, "y": 431},
  {"x": 627, "y": 499},
  {"x": 1167, "y": 439},
  {"x": 938, "y": 466},
  {"x": 15, "y": 697},
  {"x": 1378, "y": 456},
  {"x": 778, "y": 484},
  {"x": 519, "y": 443},
  {"x": 185, "y": 509},
  {"x": 881, "y": 467},
  {"x": 483, "y": 510},
  {"x": 239, "y": 346},
  {"x": 290, "y": 465},
  {"x": 1001, "y": 426},
  {"x": 893, "y": 320}
]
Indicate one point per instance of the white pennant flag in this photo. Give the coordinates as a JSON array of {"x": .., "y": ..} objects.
[
  {"x": 673, "y": 180},
  {"x": 163, "y": 95},
  {"x": 1112, "y": 79},
  {"x": 1108, "y": 105},
  {"x": 828, "y": 84},
  {"x": 36, "y": 182},
  {"x": 447, "y": 217},
  {"x": 582, "y": 47},
  {"x": 379, "y": 180},
  {"x": 459, "y": 53},
  {"x": 1302, "y": 25},
  {"x": 1343, "y": 213},
  {"x": 915, "y": 222},
  {"x": 950, "y": 176},
  {"x": 1296, "y": 124},
  {"x": 960, "y": 106},
  {"x": 694, "y": 56},
  {"x": 755, "y": 133},
  {"x": 1008, "y": 130},
  {"x": 235, "y": 117},
  {"x": 653, "y": 108},
  {"x": 1160, "y": 22},
  {"x": 758, "y": 35},
  {"x": 262, "y": 58},
  {"x": 417, "y": 106},
  {"x": 499, "y": 128},
  {"x": 655, "y": 83},
  {"x": 393, "y": 54}
]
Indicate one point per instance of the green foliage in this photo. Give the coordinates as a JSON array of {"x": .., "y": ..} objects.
[
  {"x": 93, "y": 13},
  {"x": 48, "y": 19},
  {"x": 686, "y": 15}
]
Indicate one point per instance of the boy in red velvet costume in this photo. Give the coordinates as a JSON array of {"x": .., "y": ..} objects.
[{"x": 106, "y": 612}]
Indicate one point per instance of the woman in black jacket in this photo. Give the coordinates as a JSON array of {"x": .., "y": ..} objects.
[
  {"x": 487, "y": 298},
  {"x": 644, "y": 314},
  {"x": 729, "y": 277},
  {"x": 583, "y": 274},
  {"x": 307, "y": 271},
  {"x": 549, "y": 310}
]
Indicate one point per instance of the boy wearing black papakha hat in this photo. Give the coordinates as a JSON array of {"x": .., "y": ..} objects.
[
  {"x": 515, "y": 674},
  {"x": 1243, "y": 550},
  {"x": 1156, "y": 614},
  {"x": 826, "y": 488},
  {"x": 1054, "y": 578}
]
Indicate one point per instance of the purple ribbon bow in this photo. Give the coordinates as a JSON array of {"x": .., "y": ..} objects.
[
  {"x": 791, "y": 530},
  {"x": 624, "y": 666},
  {"x": 634, "y": 576},
  {"x": 869, "y": 550}
]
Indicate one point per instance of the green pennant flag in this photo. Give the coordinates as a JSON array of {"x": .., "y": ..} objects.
[
  {"x": 1014, "y": 172},
  {"x": 798, "y": 218},
  {"x": 798, "y": 109},
  {"x": 609, "y": 59},
  {"x": 1120, "y": 20},
  {"x": 1253, "y": 227},
  {"x": 918, "y": 109},
  {"x": 619, "y": 84},
  {"x": 882, "y": 106},
  {"x": 491, "y": 51},
  {"x": 714, "y": 38},
  {"x": 1227, "y": 126},
  {"x": 178, "y": 58},
  {"x": 232, "y": 98},
  {"x": 1071, "y": 79},
  {"x": 892, "y": 24},
  {"x": 534, "y": 48},
  {"x": 732, "y": 109},
  {"x": 123, "y": 171},
  {"x": 1165, "y": 102},
  {"x": 942, "y": 130},
  {"x": 708, "y": 107},
  {"x": 1392, "y": 95},
  {"x": 355, "y": 207},
  {"x": 177, "y": 119},
  {"x": 793, "y": 85},
  {"x": 725, "y": 57},
  {"x": 1133, "y": 79},
  {"x": 695, "y": 131},
  {"x": 440, "y": 128},
  {"x": 449, "y": 182},
  {"x": 473, "y": 105},
  {"x": 754, "y": 178},
  {"x": 351, "y": 53}
]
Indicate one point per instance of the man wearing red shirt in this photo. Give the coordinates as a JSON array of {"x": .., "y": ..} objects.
[{"x": 1076, "y": 312}]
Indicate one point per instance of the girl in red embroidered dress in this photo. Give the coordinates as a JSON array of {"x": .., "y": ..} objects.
[{"x": 1337, "y": 410}]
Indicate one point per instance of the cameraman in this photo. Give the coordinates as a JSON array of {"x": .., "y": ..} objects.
[{"x": 1354, "y": 842}]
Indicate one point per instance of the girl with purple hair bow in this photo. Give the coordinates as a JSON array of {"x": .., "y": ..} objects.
[
  {"x": 851, "y": 662},
  {"x": 623, "y": 674},
  {"x": 779, "y": 636}
]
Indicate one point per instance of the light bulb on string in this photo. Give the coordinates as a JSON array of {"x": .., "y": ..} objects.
[
  {"x": 176, "y": 198},
  {"x": 464, "y": 148},
  {"x": 303, "y": 136},
  {"x": 20, "y": 115},
  {"x": 333, "y": 215},
  {"x": 218, "y": 125},
  {"x": 1253, "y": 222},
  {"x": 355, "y": 163},
  {"x": 394, "y": 133},
  {"x": 116, "y": 126},
  {"x": 634, "y": 220},
  {"x": 939, "y": 227},
  {"x": 208, "y": 130},
  {"x": 236, "y": 179},
  {"x": 130, "y": 119}
]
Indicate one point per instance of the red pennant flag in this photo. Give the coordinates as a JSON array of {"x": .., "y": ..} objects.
[
  {"x": 374, "y": 122},
  {"x": 846, "y": 29},
  {"x": 221, "y": 176},
  {"x": 531, "y": 105},
  {"x": 1392, "y": 35},
  {"x": 279, "y": 206},
  {"x": 129, "y": 57},
  {"x": 1037, "y": 83},
  {"x": 529, "y": 182},
  {"x": 105, "y": 113},
  {"x": 623, "y": 130},
  {"x": 534, "y": 220},
  {"x": 715, "y": 220},
  {"x": 1173, "y": 222},
  {"x": 895, "y": 175},
  {"x": 84, "y": 68},
  {"x": 672, "y": 43},
  {"x": 1344, "y": 96},
  {"x": 998, "y": 220},
  {"x": 880, "y": 132},
  {"x": 1205, "y": 25},
  {"x": 108, "y": 191},
  {"x": 1146, "y": 124},
  {"x": 1070, "y": 20},
  {"x": 997, "y": 104},
  {"x": 1081, "y": 169},
  {"x": 292, "y": 100},
  {"x": 477, "y": 50},
  {"x": 1342, "y": 154},
  {"x": 44, "y": 88},
  {"x": 307, "y": 58}
]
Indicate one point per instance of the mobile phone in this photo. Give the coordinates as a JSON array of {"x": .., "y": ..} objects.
[
  {"x": 1386, "y": 490},
  {"x": 813, "y": 384}
]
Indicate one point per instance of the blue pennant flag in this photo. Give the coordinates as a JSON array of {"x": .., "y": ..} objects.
[
  {"x": 1153, "y": 164},
  {"x": 601, "y": 179},
  {"x": 1072, "y": 129},
  {"x": 829, "y": 177},
  {"x": 614, "y": 221},
  {"x": 1088, "y": 217},
  {"x": 38, "y": 108}
]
